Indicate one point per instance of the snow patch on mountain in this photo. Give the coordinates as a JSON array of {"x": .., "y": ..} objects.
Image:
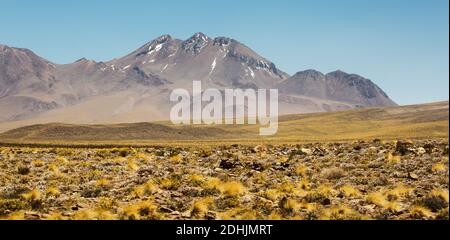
[{"x": 213, "y": 66}]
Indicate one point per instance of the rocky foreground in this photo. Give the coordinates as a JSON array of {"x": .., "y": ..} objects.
[{"x": 360, "y": 180}]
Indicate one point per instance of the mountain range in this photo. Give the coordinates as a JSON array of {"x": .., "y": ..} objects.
[{"x": 136, "y": 87}]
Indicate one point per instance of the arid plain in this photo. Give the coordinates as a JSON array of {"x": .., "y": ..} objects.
[{"x": 375, "y": 163}]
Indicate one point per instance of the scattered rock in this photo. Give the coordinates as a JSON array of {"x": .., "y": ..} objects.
[{"x": 413, "y": 176}]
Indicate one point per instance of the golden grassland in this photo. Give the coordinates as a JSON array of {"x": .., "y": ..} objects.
[{"x": 407, "y": 122}]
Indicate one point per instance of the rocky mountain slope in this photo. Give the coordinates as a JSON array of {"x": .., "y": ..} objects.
[{"x": 136, "y": 87}]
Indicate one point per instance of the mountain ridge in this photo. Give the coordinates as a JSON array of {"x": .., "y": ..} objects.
[{"x": 136, "y": 86}]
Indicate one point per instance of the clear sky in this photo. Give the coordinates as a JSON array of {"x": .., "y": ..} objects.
[{"x": 402, "y": 45}]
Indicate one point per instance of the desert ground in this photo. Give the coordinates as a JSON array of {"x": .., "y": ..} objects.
[
  {"x": 387, "y": 163},
  {"x": 359, "y": 180}
]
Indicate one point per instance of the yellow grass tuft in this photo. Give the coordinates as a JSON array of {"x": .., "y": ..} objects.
[
  {"x": 291, "y": 205},
  {"x": 94, "y": 214},
  {"x": 86, "y": 214},
  {"x": 310, "y": 207},
  {"x": 106, "y": 203},
  {"x": 442, "y": 193},
  {"x": 200, "y": 207},
  {"x": 146, "y": 189},
  {"x": 272, "y": 194},
  {"x": 339, "y": 213},
  {"x": 282, "y": 159},
  {"x": 20, "y": 215},
  {"x": 168, "y": 183},
  {"x": 33, "y": 195},
  {"x": 349, "y": 191},
  {"x": 212, "y": 183},
  {"x": 393, "y": 159},
  {"x": 325, "y": 190},
  {"x": 38, "y": 163},
  {"x": 420, "y": 212},
  {"x": 105, "y": 215},
  {"x": 393, "y": 206},
  {"x": 399, "y": 191},
  {"x": 53, "y": 168},
  {"x": 232, "y": 188},
  {"x": 287, "y": 187},
  {"x": 101, "y": 183},
  {"x": 304, "y": 184},
  {"x": 138, "y": 191},
  {"x": 131, "y": 164},
  {"x": 61, "y": 160},
  {"x": 150, "y": 187},
  {"x": 274, "y": 216},
  {"x": 177, "y": 158},
  {"x": 377, "y": 198},
  {"x": 145, "y": 210},
  {"x": 197, "y": 180},
  {"x": 301, "y": 170},
  {"x": 438, "y": 168},
  {"x": 52, "y": 192}
]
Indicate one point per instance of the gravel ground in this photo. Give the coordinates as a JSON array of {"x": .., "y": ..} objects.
[{"x": 357, "y": 180}]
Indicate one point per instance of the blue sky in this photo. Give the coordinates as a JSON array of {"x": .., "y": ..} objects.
[{"x": 402, "y": 45}]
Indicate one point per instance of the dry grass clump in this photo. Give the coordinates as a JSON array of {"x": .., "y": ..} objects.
[
  {"x": 170, "y": 183},
  {"x": 287, "y": 187},
  {"x": 288, "y": 205},
  {"x": 145, "y": 189},
  {"x": 107, "y": 203},
  {"x": 94, "y": 214},
  {"x": 339, "y": 213},
  {"x": 212, "y": 183},
  {"x": 34, "y": 197},
  {"x": 53, "y": 168},
  {"x": 304, "y": 184},
  {"x": 197, "y": 180},
  {"x": 37, "y": 163},
  {"x": 176, "y": 158},
  {"x": 420, "y": 212},
  {"x": 377, "y": 198},
  {"x": 393, "y": 159},
  {"x": 200, "y": 207},
  {"x": 350, "y": 191},
  {"x": 145, "y": 210},
  {"x": 436, "y": 200},
  {"x": 398, "y": 191},
  {"x": 272, "y": 194},
  {"x": 441, "y": 193},
  {"x": 102, "y": 183},
  {"x": 439, "y": 167},
  {"x": 301, "y": 170},
  {"x": 131, "y": 164},
  {"x": 380, "y": 199},
  {"x": 232, "y": 188},
  {"x": 61, "y": 160},
  {"x": 52, "y": 192}
]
